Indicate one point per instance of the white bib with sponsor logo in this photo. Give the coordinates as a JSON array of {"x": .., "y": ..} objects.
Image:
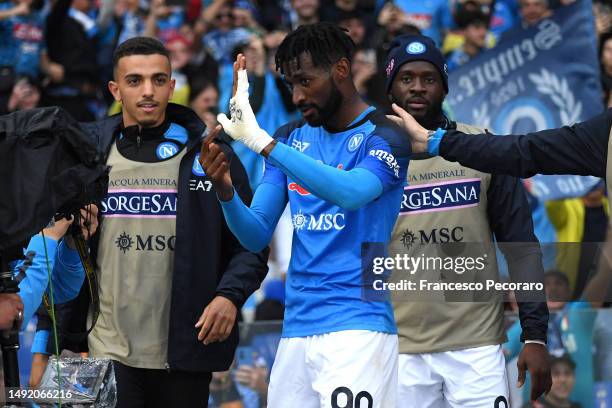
[{"x": 135, "y": 261}]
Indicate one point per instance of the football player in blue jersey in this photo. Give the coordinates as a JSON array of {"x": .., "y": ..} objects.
[{"x": 342, "y": 170}]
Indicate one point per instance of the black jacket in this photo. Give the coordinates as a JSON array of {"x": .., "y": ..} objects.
[
  {"x": 581, "y": 149},
  {"x": 69, "y": 45},
  {"x": 509, "y": 216},
  {"x": 208, "y": 259}
]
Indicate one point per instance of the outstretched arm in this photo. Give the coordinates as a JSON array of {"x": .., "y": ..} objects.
[
  {"x": 347, "y": 189},
  {"x": 580, "y": 149}
]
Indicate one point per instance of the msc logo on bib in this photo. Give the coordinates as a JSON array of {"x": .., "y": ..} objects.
[
  {"x": 154, "y": 243},
  {"x": 166, "y": 150},
  {"x": 440, "y": 196},
  {"x": 433, "y": 236}
]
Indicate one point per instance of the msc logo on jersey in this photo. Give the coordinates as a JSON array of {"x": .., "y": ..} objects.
[
  {"x": 388, "y": 159},
  {"x": 166, "y": 150},
  {"x": 132, "y": 203},
  {"x": 440, "y": 196},
  {"x": 416, "y": 47},
  {"x": 299, "y": 145},
  {"x": 355, "y": 141},
  {"x": 318, "y": 222}
]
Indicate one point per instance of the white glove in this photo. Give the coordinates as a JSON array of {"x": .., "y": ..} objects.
[{"x": 243, "y": 126}]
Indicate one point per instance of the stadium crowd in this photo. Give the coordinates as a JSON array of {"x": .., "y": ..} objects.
[{"x": 59, "y": 53}]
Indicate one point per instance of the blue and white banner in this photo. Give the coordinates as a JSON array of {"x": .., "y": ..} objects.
[
  {"x": 537, "y": 78},
  {"x": 557, "y": 187}
]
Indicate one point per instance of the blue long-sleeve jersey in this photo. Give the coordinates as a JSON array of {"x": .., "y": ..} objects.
[
  {"x": 344, "y": 189},
  {"x": 67, "y": 274}
]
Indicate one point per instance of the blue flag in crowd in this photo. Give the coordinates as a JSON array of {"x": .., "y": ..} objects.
[{"x": 537, "y": 78}]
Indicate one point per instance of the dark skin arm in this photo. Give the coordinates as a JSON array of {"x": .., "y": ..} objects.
[
  {"x": 218, "y": 318},
  {"x": 534, "y": 357},
  {"x": 215, "y": 165}
]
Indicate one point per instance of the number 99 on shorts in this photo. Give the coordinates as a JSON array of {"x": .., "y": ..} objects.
[{"x": 343, "y": 397}]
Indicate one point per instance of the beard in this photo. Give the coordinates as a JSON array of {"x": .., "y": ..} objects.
[{"x": 328, "y": 110}]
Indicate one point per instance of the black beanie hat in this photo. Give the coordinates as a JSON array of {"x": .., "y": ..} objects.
[{"x": 409, "y": 47}]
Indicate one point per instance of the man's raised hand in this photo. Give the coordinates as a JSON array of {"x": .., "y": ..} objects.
[
  {"x": 215, "y": 165},
  {"x": 417, "y": 133},
  {"x": 243, "y": 125}
]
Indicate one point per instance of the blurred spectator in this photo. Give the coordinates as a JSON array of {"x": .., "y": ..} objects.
[
  {"x": 354, "y": 23},
  {"x": 433, "y": 18},
  {"x": 70, "y": 35},
  {"x": 202, "y": 63},
  {"x": 204, "y": 100},
  {"x": 605, "y": 58},
  {"x": 570, "y": 330},
  {"x": 474, "y": 26},
  {"x": 272, "y": 307},
  {"x": 505, "y": 16},
  {"x": 224, "y": 36},
  {"x": 602, "y": 332},
  {"x": 579, "y": 220},
  {"x": 252, "y": 379},
  {"x": 602, "y": 340},
  {"x": 364, "y": 68},
  {"x": 254, "y": 372},
  {"x": 25, "y": 95},
  {"x": 602, "y": 10},
  {"x": 532, "y": 11},
  {"x": 391, "y": 22},
  {"x": 164, "y": 21},
  {"x": 129, "y": 18},
  {"x": 305, "y": 12},
  {"x": 223, "y": 391},
  {"x": 21, "y": 30},
  {"x": 563, "y": 379},
  {"x": 244, "y": 16},
  {"x": 180, "y": 55},
  {"x": 335, "y": 11}
]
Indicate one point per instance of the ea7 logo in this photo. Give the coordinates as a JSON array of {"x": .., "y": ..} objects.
[
  {"x": 299, "y": 145},
  {"x": 388, "y": 159},
  {"x": 200, "y": 185}
]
